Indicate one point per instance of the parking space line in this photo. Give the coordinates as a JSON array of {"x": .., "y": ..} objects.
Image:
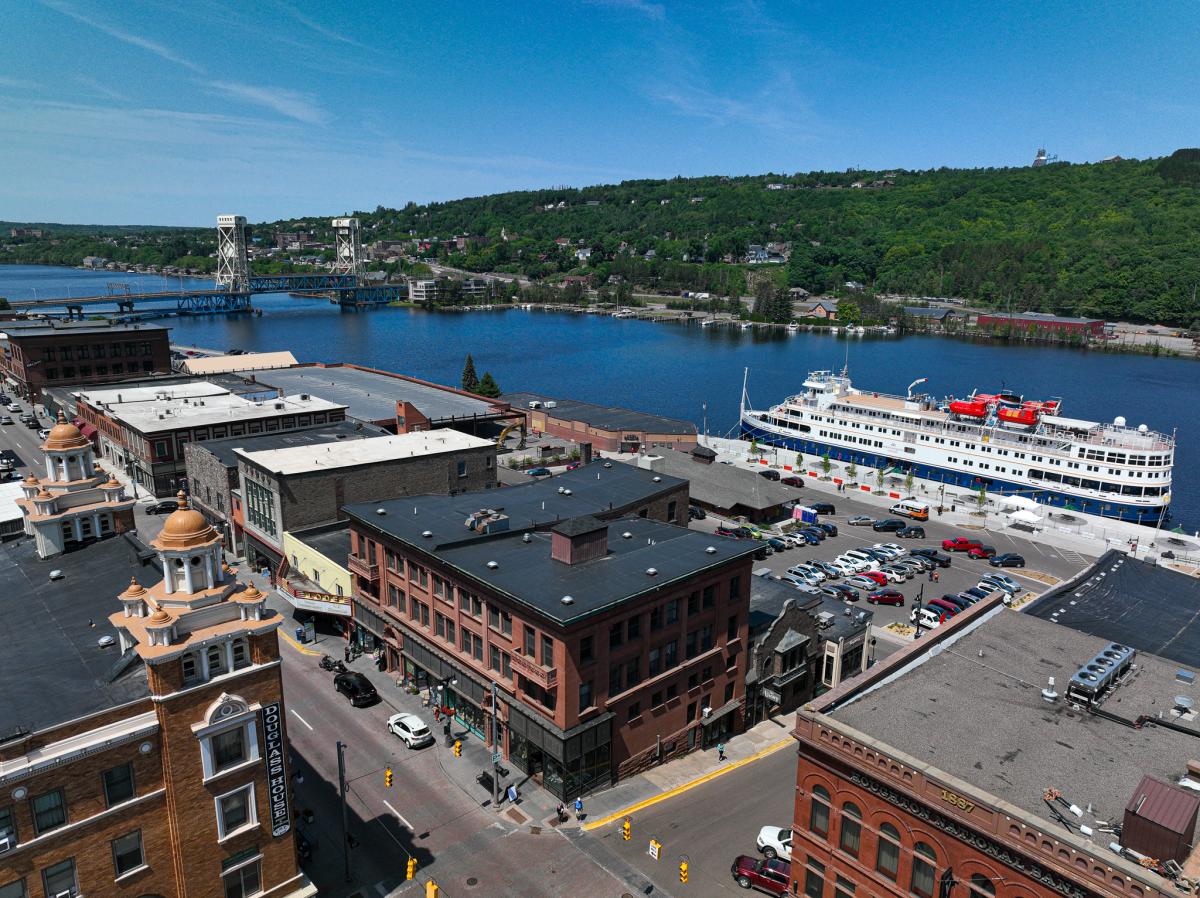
[
  {"x": 301, "y": 719},
  {"x": 398, "y": 815}
]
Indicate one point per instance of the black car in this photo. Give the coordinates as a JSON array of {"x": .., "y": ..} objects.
[
  {"x": 357, "y": 688},
  {"x": 32, "y": 423},
  {"x": 889, "y": 525},
  {"x": 933, "y": 555},
  {"x": 1008, "y": 559},
  {"x": 830, "y": 529},
  {"x": 696, "y": 513},
  {"x": 823, "y": 508},
  {"x": 166, "y": 506},
  {"x": 818, "y": 532},
  {"x": 911, "y": 532},
  {"x": 769, "y": 474}
]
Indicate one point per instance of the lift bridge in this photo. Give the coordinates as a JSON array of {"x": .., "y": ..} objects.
[{"x": 235, "y": 285}]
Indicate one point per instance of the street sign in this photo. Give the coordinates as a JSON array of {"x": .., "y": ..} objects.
[
  {"x": 655, "y": 847},
  {"x": 772, "y": 696},
  {"x": 495, "y": 757}
]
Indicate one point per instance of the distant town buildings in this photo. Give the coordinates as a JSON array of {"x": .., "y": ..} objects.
[
  {"x": 605, "y": 427},
  {"x": 1040, "y": 321}
]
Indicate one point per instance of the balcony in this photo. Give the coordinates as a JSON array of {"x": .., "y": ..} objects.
[
  {"x": 546, "y": 677},
  {"x": 363, "y": 568}
]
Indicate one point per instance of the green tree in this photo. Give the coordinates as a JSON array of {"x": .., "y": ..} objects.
[
  {"x": 852, "y": 471},
  {"x": 908, "y": 483},
  {"x": 470, "y": 380},
  {"x": 849, "y": 313},
  {"x": 879, "y": 478},
  {"x": 981, "y": 497},
  {"x": 825, "y": 463},
  {"x": 488, "y": 386}
]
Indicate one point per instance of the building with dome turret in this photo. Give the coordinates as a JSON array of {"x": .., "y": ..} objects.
[
  {"x": 75, "y": 502},
  {"x": 155, "y": 761}
]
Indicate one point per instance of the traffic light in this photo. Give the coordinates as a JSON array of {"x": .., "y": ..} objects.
[
  {"x": 412, "y": 868},
  {"x": 431, "y": 889},
  {"x": 683, "y": 868},
  {"x": 387, "y": 777},
  {"x": 625, "y": 830},
  {"x": 458, "y": 748}
]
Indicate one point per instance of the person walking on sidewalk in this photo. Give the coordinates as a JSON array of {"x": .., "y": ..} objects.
[
  {"x": 720, "y": 751},
  {"x": 561, "y": 812},
  {"x": 579, "y": 809}
]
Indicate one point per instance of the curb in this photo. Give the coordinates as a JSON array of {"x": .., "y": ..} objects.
[
  {"x": 691, "y": 784},
  {"x": 297, "y": 646}
]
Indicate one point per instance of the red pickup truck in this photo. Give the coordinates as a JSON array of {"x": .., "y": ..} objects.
[{"x": 960, "y": 544}]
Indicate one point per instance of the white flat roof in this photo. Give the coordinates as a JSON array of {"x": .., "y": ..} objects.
[
  {"x": 1070, "y": 423},
  {"x": 249, "y": 361},
  {"x": 10, "y": 492},
  {"x": 118, "y": 396},
  {"x": 327, "y": 456},
  {"x": 155, "y": 410}
]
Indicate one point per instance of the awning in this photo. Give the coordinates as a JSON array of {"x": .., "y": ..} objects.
[
  {"x": 1018, "y": 502},
  {"x": 1024, "y": 517},
  {"x": 727, "y": 708}
]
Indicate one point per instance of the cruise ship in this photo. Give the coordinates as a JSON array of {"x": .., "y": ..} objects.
[{"x": 1001, "y": 441}]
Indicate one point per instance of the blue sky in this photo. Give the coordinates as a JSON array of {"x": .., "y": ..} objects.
[{"x": 173, "y": 113}]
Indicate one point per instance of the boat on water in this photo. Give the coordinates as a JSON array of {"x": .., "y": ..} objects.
[{"x": 1001, "y": 441}]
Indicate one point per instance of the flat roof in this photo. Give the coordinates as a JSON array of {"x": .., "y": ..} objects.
[
  {"x": 603, "y": 417},
  {"x": 933, "y": 708},
  {"x": 225, "y": 452},
  {"x": 1039, "y": 316},
  {"x": 324, "y": 457},
  {"x": 134, "y": 393},
  {"x": 10, "y": 492},
  {"x": 16, "y": 329},
  {"x": 1135, "y": 603},
  {"x": 721, "y": 486},
  {"x": 332, "y": 542},
  {"x": 597, "y": 489},
  {"x": 247, "y": 361},
  {"x": 52, "y": 666},
  {"x": 372, "y": 395}
]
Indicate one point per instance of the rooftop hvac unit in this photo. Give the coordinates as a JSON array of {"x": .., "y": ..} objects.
[{"x": 1093, "y": 680}]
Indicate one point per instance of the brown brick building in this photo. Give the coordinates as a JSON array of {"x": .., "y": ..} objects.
[
  {"x": 610, "y": 644},
  {"x": 36, "y": 355},
  {"x": 978, "y": 762},
  {"x": 607, "y": 428},
  {"x": 160, "y": 765}
]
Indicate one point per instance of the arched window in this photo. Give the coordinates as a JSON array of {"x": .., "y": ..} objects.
[
  {"x": 982, "y": 887},
  {"x": 923, "y": 870},
  {"x": 887, "y": 856},
  {"x": 216, "y": 660},
  {"x": 818, "y": 815},
  {"x": 850, "y": 837}
]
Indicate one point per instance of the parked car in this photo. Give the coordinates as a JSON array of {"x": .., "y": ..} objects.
[
  {"x": 933, "y": 555},
  {"x": 823, "y": 508},
  {"x": 1008, "y": 559},
  {"x": 775, "y": 841},
  {"x": 844, "y": 567},
  {"x": 866, "y": 584},
  {"x": 13, "y": 407},
  {"x": 886, "y": 597},
  {"x": 745, "y": 532},
  {"x": 795, "y": 481},
  {"x": 696, "y": 513},
  {"x": 411, "y": 729},
  {"x": 32, "y": 423},
  {"x": 878, "y": 577},
  {"x": 895, "y": 547},
  {"x": 809, "y": 538},
  {"x": 959, "y": 544},
  {"x": 804, "y": 581},
  {"x": 861, "y": 520},
  {"x": 728, "y": 531},
  {"x": 897, "y": 573},
  {"x": 977, "y": 592},
  {"x": 538, "y": 472},
  {"x": 770, "y": 875},
  {"x": 1000, "y": 581},
  {"x": 819, "y": 533},
  {"x": 981, "y": 551},
  {"x": 777, "y": 544},
  {"x": 844, "y": 591},
  {"x": 829, "y": 570},
  {"x": 356, "y": 687},
  {"x": 942, "y": 606},
  {"x": 911, "y": 532},
  {"x": 44, "y": 433},
  {"x": 5, "y": 419},
  {"x": 889, "y": 525},
  {"x": 959, "y": 601},
  {"x": 166, "y": 506},
  {"x": 768, "y": 474},
  {"x": 808, "y": 570},
  {"x": 926, "y": 618},
  {"x": 830, "y": 529}
]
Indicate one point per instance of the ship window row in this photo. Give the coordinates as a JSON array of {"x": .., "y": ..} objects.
[{"x": 1118, "y": 488}]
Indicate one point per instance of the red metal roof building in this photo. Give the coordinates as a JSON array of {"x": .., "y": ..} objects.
[{"x": 1042, "y": 322}]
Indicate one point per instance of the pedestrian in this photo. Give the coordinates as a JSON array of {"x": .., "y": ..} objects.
[
  {"x": 931, "y": 576},
  {"x": 579, "y": 808},
  {"x": 937, "y": 577},
  {"x": 346, "y": 653},
  {"x": 720, "y": 751},
  {"x": 561, "y": 811}
]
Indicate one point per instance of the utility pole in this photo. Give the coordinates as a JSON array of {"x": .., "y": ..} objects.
[
  {"x": 495, "y": 750},
  {"x": 342, "y": 789}
]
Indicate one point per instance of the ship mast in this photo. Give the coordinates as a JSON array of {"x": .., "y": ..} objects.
[{"x": 742, "y": 405}]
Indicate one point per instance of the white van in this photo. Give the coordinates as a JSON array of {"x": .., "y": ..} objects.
[
  {"x": 929, "y": 619},
  {"x": 911, "y": 508}
]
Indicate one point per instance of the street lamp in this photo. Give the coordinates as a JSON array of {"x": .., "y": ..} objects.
[
  {"x": 442, "y": 689},
  {"x": 917, "y": 611}
]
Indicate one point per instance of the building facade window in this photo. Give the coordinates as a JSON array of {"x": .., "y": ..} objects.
[
  {"x": 818, "y": 813},
  {"x": 585, "y": 695},
  {"x": 982, "y": 887},
  {"x": 49, "y": 811},
  {"x": 240, "y": 650},
  {"x": 814, "y": 878},
  {"x": 8, "y": 828},
  {"x": 887, "y": 855},
  {"x": 127, "y": 853},
  {"x": 260, "y": 506},
  {"x": 244, "y": 881},
  {"x": 235, "y": 811},
  {"x": 118, "y": 785},
  {"x": 61, "y": 878},
  {"x": 843, "y": 888},
  {"x": 14, "y": 890},
  {"x": 923, "y": 870}
]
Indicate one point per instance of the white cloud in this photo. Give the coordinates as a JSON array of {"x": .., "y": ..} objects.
[
  {"x": 19, "y": 83},
  {"x": 101, "y": 89},
  {"x": 293, "y": 104},
  {"x": 128, "y": 37},
  {"x": 321, "y": 29},
  {"x": 655, "y": 11}
]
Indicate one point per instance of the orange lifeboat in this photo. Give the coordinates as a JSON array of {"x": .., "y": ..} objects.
[
  {"x": 1026, "y": 417},
  {"x": 969, "y": 409}
]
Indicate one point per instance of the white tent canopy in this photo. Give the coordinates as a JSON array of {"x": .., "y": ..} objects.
[
  {"x": 1024, "y": 517},
  {"x": 1023, "y": 502}
]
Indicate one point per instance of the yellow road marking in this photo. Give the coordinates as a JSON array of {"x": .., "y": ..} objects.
[
  {"x": 678, "y": 790},
  {"x": 297, "y": 646}
]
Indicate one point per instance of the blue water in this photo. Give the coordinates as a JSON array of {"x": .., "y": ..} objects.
[{"x": 673, "y": 369}]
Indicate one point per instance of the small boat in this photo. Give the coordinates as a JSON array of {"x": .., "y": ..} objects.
[
  {"x": 969, "y": 408},
  {"x": 1026, "y": 417},
  {"x": 793, "y": 328},
  {"x": 746, "y": 325}
]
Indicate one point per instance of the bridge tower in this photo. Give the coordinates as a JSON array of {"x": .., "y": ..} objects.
[
  {"x": 348, "y": 254},
  {"x": 233, "y": 266}
]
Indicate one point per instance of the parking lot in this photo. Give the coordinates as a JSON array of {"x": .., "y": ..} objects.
[{"x": 964, "y": 572}]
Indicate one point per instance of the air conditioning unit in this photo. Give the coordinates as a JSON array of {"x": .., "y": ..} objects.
[
  {"x": 65, "y": 894},
  {"x": 706, "y": 712}
]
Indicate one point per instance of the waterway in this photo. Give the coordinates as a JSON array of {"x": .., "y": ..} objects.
[{"x": 674, "y": 369}]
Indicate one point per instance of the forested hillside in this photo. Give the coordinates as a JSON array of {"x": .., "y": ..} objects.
[{"x": 1114, "y": 240}]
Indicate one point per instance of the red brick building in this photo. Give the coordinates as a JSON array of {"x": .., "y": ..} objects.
[
  {"x": 611, "y": 644},
  {"x": 607, "y": 428},
  {"x": 153, "y": 761},
  {"x": 42, "y": 354},
  {"x": 1040, "y": 321},
  {"x": 969, "y": 766}
]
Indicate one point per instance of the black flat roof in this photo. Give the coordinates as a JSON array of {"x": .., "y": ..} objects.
[
  {"x": 602, "y": 416},
  {"x": 1150, "y": 608},
  {"x": 52, "y": 666},
  {"x": 596, "y": 489},
  {"x": 332, "y": 541},
  {"x": 326, "y": 433}
]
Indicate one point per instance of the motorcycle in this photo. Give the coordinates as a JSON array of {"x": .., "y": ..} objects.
[{"x": 332, "y": 664}]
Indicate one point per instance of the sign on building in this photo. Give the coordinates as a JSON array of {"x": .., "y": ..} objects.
[{"x": 277, "y": 784}]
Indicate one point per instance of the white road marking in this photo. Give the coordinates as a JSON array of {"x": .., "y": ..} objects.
[
  {"x": 398, "y": 816},
  {"x": 301, "y": 719}
]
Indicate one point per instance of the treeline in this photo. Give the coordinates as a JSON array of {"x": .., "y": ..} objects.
[
  {"x": 183, "y": 249},
  {"x": 1113, "y": 240}
]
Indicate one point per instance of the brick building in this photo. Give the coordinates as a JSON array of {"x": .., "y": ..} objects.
[
  {"x": 995, "y": 757},
  {"x": 610, "y": 645},
  {"x": 143, "y": 430},
  {"x": 41, "y": 354},
  {"x": 1041, "y": 321},
  {"x": 607, "y": 428},
  {"x": 298, "y": 486},
  {"x": 164, "y": 772}
]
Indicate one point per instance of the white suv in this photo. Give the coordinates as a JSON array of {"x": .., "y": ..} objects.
[{"x": 775, "y": 841}]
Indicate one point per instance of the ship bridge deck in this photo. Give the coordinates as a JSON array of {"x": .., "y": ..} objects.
[{"x": 890, "y": 404}]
